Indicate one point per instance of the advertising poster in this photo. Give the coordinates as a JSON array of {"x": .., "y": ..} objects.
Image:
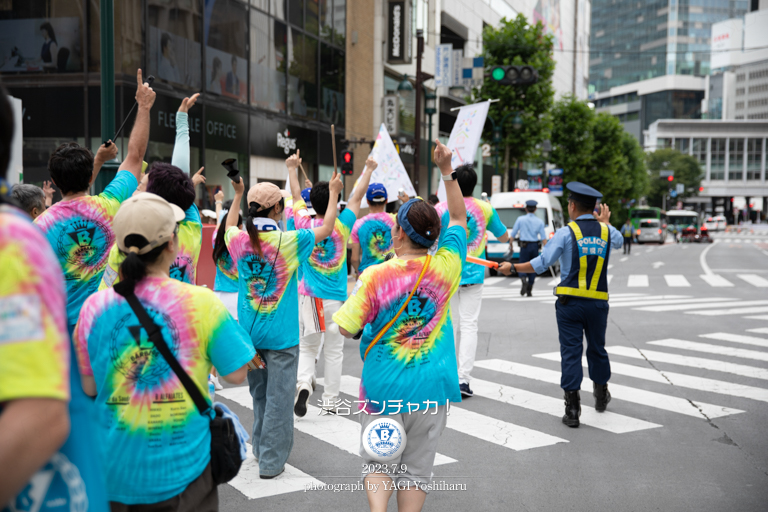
[
  {"x": 174, "y": 58},
  {"x": 40, "y": 45},
  {"x": 555, "y": 182}
]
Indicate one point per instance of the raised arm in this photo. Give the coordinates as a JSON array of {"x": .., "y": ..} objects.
[
  {"x": 292, "y": 163},
  {"x": 329, "y": 221},
  {"x": 104, "y": 154},
  {"x": 137, "y": 144},
  {"x": 218, "y": 197},
  {"x": 180, "y": 156},
  {"x": 457, "y": 211},
  {"x": 234, "y": 210},
  {"x": 362, "y": 187}
]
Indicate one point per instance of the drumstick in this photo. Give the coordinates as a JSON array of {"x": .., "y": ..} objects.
[
  {"x": 485, "y": 263},
  {"x": 303, "y": 172},
  {"x": 333, "y": 142}
]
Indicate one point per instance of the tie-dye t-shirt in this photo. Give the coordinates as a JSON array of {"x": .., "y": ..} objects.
[
  {"x": 481, "y": 218},
  {"x": 80, "y": 232},
  {"x": 226, "y": 269},
  {"x": 324, "y": 275},
  {"x": 415, "y": 360},
  {"x": 374, "y": 234},
  {"x": 154, "y": 442},
  {"x": 184, "y": 267},
  {"x": 268, "y": 300},
  {"x": 35, "y": 357}
]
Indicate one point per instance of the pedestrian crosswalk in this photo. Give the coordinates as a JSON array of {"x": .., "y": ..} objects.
[{"x": 646, "y": 281}]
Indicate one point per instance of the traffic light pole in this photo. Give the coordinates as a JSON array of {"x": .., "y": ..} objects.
[
  {"x": 107, "y": 47},
  {"x": 417, "y": 121}
]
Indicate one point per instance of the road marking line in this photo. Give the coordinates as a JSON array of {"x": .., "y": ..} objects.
[
  {"x": 629, "y": 394},
  {"x": 759, "y": 330},
  {"x": 637, "y": 280},
  {"x": 625, "y": 258},
  {"x": 754, "y": 280},
  {"x": 610, "y": 278},
  {"x": 494, "y": 280},
  {"x": 554, "y": 282},
  {"x": 721, "y": 312},
  {"x": 693, "y": 362},
  {"x": 679, "y": 379},
  {"x": 252, "y": 487},
  {"x": 716, "y": 281},
  {"x": 736, "y": 338},
  {"x": 712, "y": 349},
  {"x": 683, "y": 307},
  {"x": 625, "y": 297},
  {"x": 480, "y": 426},
  {"x": 676, "y": 280},
  {"x": 660, "y": 302}
]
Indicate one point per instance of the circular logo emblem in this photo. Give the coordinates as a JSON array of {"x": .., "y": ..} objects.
[{"x": 384, "y": 439}]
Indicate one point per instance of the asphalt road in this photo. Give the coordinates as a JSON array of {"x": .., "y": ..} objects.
[{"x": 688, "y": 341}]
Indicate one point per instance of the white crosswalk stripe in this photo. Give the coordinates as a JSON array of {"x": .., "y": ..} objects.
[
  {"x": 760, "y": 330},
  {"x": 676, "y": 280},
  {"x": 692, "y": 362},
  {"x": 664, "y": 301},
  {"x": 480, "y": 426},
  {"x": 757, "y": 317},
  {"x": 722, "y": 312},
  {"x": 679, "y": 379},
  {"x": 712, "y": 349},
  {"x": 716, "y": 281},
  {"x": 754, "y": 280},
  {"x": 713, "y": 305},
  {"x": 629, "y": 394},
  {"x": 248, "y": 482},
  {"x": 737, "y": 338},
  {"x": 637, "y": 280}
]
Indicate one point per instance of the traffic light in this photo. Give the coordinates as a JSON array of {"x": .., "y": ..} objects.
[
  {"x": 347, "y": 162},
  {"x": 670, "y": 178},
  {"x": 514, "y": 75}
]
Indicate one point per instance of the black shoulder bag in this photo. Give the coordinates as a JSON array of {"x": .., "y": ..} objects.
[{"x": 225, "y": 445}]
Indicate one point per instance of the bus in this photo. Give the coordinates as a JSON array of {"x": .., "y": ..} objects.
[
  {"x": 677, "y": 220},
  {"x": 646, "y": 212}
]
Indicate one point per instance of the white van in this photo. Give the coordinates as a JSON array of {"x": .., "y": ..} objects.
[{"x": 511, "y": 206}]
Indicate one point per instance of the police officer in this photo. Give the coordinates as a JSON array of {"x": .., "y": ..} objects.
[
  {"x": 530, "y": 228},
  {"x": 582, "y": 304}
]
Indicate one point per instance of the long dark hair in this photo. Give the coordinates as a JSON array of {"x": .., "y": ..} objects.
[
  {"x": 49, "y": 28},
  {"x": 253, "y": 232},
  {"x": 219, "y": 247},
  {"x": 134, "y": 267}
]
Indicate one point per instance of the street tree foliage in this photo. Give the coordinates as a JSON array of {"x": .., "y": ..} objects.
[
  {"x": 687, "y": 171},
  {"x": 516, "y": 42},
  {"x": 594, "y": 149}
]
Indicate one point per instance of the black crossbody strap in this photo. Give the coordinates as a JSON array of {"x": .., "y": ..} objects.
[{"x": 156, "y": 337}]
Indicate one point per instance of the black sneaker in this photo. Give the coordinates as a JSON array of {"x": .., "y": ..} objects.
[
  {"x": 465, "y": 391},
  {"x": 300, "y": 407}
]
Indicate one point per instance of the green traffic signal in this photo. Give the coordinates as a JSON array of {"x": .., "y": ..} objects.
[{"x": 498, "y": 73}]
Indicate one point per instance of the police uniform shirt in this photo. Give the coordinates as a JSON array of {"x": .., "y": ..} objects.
[
  {"x": 560, "y": 247},
  {"x": 530, "y": 228}
]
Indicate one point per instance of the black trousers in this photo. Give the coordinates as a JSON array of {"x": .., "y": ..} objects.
[{"x": 627, "y": 244}]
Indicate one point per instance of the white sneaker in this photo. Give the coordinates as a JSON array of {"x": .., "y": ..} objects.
[{"x": 216, "y": 383}]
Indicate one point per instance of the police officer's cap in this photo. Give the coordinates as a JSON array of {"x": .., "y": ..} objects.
[
  {"x": 582, "y": 192},
  {"x": 531, "y": 203}
]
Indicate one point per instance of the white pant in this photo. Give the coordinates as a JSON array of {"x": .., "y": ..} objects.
[
  {"x": 333, "y": 349},
  {"x": 465, "y": 310},
  {"x": 230, "y": 302}
]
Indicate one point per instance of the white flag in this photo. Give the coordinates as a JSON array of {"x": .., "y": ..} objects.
[
  {"x": 465, "y": 137},
  {"x": 390, "y": 172}
]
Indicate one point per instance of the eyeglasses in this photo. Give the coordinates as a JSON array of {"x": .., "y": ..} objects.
[{"x": 176, "y": 229}]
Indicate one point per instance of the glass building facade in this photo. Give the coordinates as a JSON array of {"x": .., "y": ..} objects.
[
  {"x": 632, "y": 41},
  {"x": 271, "y": 74}
]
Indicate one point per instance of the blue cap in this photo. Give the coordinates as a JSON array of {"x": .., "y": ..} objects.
[
  {"x": 305, "y": 196},
  {"x": 531, "y": 203},
  {"x": 377, "y": 193},
  {"x": 585, "y": 191}
]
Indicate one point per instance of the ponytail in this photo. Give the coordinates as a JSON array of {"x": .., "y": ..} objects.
[
  {"x": 254, "y": 211},
  {"x": 134, "y": 267},
  {"x": 219, "y": 246}
]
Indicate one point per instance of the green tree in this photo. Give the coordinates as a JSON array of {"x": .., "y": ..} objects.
[
  {"x": 594, "y": 149},
  {"x": 516, "y": 42},
  {"x": 687, "y": 171}
]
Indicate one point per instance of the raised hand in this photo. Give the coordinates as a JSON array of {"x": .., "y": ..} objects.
[
  {"x": 307, "y": 184},
  {"x": 48, "y": 190},
  {"x": 239, "y": 187},
  {"x": 188, "y": 103},
  {"x": 198, "y": 178},
  {"x": 371, "y": 164},
  {"x": 442, "y": 157},
  {"x": 335, "y": 185},
  {"x": 219, "y": 196},
  {"x": 293, "y": 161},
  {"x": 106, "y": 152},
  {"x": 603, "y": 213},
  {"x": 145, "y": 96}
]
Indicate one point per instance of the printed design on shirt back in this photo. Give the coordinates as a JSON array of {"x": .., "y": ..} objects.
[{"x": 84, "y": 243}]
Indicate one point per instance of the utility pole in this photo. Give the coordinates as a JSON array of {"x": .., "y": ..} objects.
[
  {"x": 107, "y": 44},
  {"x": 417, "y": 122}
]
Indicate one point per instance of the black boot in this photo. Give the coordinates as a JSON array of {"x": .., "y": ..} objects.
[
  {"x": 572, "y": 409},
  {"x": 529, "y": 290},
  {"x": 602, "y": 396},
  {"x": 524, "y": 287}
]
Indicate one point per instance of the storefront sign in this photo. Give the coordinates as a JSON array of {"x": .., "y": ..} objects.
[
  {"x": 392, "y": 114},
  {"x": 444, "y": 65},
  {"x": 273, "y": 138},
  {"x": 285, "y": 141},
  {"x": 398, "y": 31}
]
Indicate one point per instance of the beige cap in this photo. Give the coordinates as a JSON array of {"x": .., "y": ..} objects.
[
  {"x": 266, "y": 195},
  {"x": 148, "y": 215}
]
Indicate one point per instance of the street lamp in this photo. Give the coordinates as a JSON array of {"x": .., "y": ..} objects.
[
  {"x": 517, "y": 122},
  {"x": 430, "y": 108},
  {"x": 405, "y": 88}
]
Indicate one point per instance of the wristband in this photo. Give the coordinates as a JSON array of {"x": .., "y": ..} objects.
[{"x": 219, "y": 202}]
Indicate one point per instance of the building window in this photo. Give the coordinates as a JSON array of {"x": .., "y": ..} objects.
[
  {"x": 663, "y": 143},
  {"x": 174, "y": 43},
  {"x": 740, "y": 77},
  {"x": 332, "y": 85},
  {"x": 700, "y": 152},
  {"x": 268, "y": 52},
  {"x": 682, "y": 145},
  {"x": 757, "y": 103},
  {"x": 717, "y": 162},
  {"x": 739, "y": 105},
  {"x": 740, "y": 91},
  {"x": 225, "y": 54},
  {"x": 302, "y": 75},
  {"x": 736, "y": 159},
  {"x": 754, "y": 158},
  {"x": 756, "y": 74},
  {"x": 754, "y": 89}
]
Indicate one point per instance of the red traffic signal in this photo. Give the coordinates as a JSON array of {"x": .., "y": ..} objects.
[
  {"x": 347, "y": 162},
  {"x": 670, "y": 178}
]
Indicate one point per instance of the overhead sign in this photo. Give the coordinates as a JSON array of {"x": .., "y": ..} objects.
[
  {"x": 726, "y": 43},
  {"x": 392, "y": 114},
  {"x": 680, "y": 188},
  {"x": 390, "y": 171},
  {"x": 444, "y": 65},
  {"x": 465, "y": 137},
  {"x": 666, "y": 174},
  {"x": 398, "y": 32}
]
